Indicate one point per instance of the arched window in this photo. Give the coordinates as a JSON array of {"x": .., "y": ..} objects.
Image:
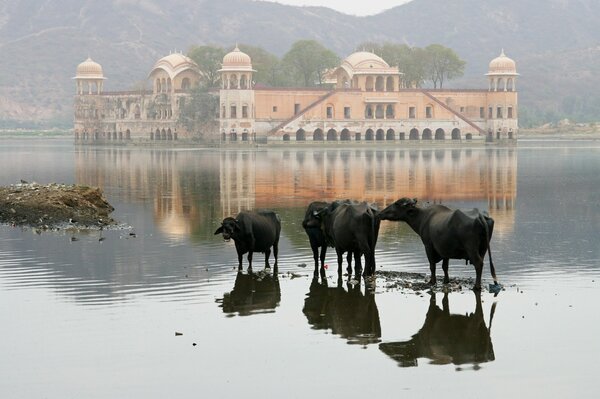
[
  {"x": 243, "y": 82},
  {"x": 389, "y": 111},
  {"x": 390, "y": 135},
  {"x": 380, "y": 135},
  {"x": 286, "y": 137},
  {"x": 369, "y": 135},
  {"x": 368, "y": 112},
  {"x": 233, "y": 82},
  {"x": 389, "y": 84},
  {"x": 169, "y": 134},
  {"x": 158, "y": 86},
  {"x": 157, "y": 135},
  {"x": 369, "y": 83},
  {"x": 300, "y": 135},
  {"x": 245, "y": 136},
  {"x": 414, "y": 134},
  {"x": 318, "y": 135},
  {"x": 379, "y": 83},
  {"x": 379, "y": 111},
  {"x": 186, "y": 84},
  {"x": 455, "y": 134},
  {"x": 128, "y": 134},
  {"x": 163, "y": 134},
  {"x": 331, "y": 135},
  {"x": 345, "y": 135},
  {"x": 440, "y": 134},
  {"x": 426, "y": 134}
]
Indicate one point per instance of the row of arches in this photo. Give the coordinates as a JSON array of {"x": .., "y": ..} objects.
[
  {"x": 85, "y": 135},
  {"x": 502, "y": 84},
  {"x": 232, "y": 81},
  {"x": 378, "y": 135},
  {"x": 163, "y": 134}
]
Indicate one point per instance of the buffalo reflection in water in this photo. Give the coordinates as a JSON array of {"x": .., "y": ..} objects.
[
  {"x": 253, "y": 293},
  {"x": 347, "y": 312},
  {"x": 446, "y": 338}
]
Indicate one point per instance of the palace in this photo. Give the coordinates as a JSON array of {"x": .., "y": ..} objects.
[{"x": 363, "y": 101}]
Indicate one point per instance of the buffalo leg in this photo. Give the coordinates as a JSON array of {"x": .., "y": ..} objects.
[
  {"x": 340, "y": 260},
  {"x": 432, "y": 280},
  {"x": 267, "y": 255},
  {"x": 478, "y": 270},
  {"x": 239, "y": 260},
  {"x": 276, "y": 252},
  {"x": 323, "y": 253},
  {"x": 349, "y": 260},
  {"x": 445, "y": 262},
  {"x": 315, "y": 251},
  {"x": 357, "y": 264},
  {"x": 250, "y": 260}
]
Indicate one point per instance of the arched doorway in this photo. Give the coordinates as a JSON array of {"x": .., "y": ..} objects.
[
  {"x": 510, "y": 134},
  {"x": 157, "y": 135},
  {"x": 369, "y": 135},
  {"x": 469, "y": 136},
  {"x": 414, "y": 134},
  {"x": 318, "y": 135},
  {"x": 331, "y": 135},
  {"x": 120, "y": 135},
  {"x": 379, "y": 135},
  {"x": 233, "y": 136},
  {"x": 345, "y": 135},
  {"x": 389, "y": 84},
  {"x": 163, "y": 134},
  {"x": 245, "y": 136},
  {"x": 401, "y": 136},
  {"x": 440, "y": 134},
  {"x": 426, "y": 134},
  {"x": 357, "y": 137},
  {"x": 286, "y": 137},
  {"x": 379, "y": 83},
  {"x": 455, "y": 134},
  {"x": 390, "y": 135},
  {"x": 300, "y": 135},
  {"x": 169, "y": 134}
]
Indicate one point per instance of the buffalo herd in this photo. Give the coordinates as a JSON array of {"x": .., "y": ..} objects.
[{"x": 352, "y": 228}]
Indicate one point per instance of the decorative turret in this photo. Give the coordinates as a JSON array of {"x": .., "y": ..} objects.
[
  {"x": 89, "y": 75},
  {"x": 502, "y": 74},
  {"x": 236, "y": 71}
]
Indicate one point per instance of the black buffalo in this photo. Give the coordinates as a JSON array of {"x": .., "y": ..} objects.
[
  {"x": 312, "y": 225},
  {"x": 253, "y": 231},
  {"x": 351, "y": 227},
  {"x": 447, "y": 234},
  {"x": 446, "y": 338}
]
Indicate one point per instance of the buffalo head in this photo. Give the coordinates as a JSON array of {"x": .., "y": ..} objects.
[
  {"x": 229, "y": 228},
  {"x": 399, "y": 210}
]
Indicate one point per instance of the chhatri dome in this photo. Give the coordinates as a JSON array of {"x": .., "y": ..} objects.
[
  {"x": 237, "y": 60},
  {"x": 174, "y": 63},
  {"x": 365, "y": 60},
  {"x": 502, "y": 65},
  {"x": 89, "y": 69}
]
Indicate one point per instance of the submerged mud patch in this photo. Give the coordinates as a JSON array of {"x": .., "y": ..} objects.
[{"x": 419, "y": 282}]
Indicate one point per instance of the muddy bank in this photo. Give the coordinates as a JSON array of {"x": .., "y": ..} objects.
[
  {"x": 419, "y": 282},
  {"x": 54, "y": 206}
]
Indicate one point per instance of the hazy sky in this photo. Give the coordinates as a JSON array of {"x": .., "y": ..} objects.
[{"x": 368, "y": 7}]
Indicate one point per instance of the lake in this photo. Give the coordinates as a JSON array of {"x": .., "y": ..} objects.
[{"x": 157, "y": 309}]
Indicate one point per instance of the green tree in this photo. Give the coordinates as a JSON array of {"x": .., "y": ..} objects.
[
  {"x": 442, "y": 64},
  {"x": 208, "y": 59},
  {"x": 269, "y": 70},
  {"x": 306, "y": 62},
  {"x": 198, "y": 113}
]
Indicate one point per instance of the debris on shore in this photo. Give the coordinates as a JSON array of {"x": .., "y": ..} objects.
[
  {"x": 419, "y": 282},
  {"x": 54, "y": 206}
]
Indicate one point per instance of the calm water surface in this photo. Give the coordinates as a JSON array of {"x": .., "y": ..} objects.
[{"x": 96, "y": 318}]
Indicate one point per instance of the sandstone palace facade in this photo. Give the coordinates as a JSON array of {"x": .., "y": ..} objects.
[{"x": 364, "y": 102}]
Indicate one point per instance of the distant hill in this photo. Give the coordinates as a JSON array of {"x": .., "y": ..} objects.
[{"x": 556, "y": 43}]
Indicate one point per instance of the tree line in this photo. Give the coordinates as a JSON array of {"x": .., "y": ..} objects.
[{"x": 307, "y": 60}]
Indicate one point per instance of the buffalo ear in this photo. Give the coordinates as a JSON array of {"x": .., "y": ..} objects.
[
  {"x": 236, "y": 226},
  {"x": 219, "y": 230}
]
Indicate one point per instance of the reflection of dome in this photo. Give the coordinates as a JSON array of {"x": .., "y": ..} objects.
[
  {"x": 502, "y": 65},
  {"x": 89, "y": 69},
  {"x": 174, "y": 63},
  {"x": 237, "y": 60},
  {"x": 364, "y": 60}
]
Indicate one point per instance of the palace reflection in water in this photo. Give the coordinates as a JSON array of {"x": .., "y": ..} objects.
[{"x": 192, "y": 189}]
